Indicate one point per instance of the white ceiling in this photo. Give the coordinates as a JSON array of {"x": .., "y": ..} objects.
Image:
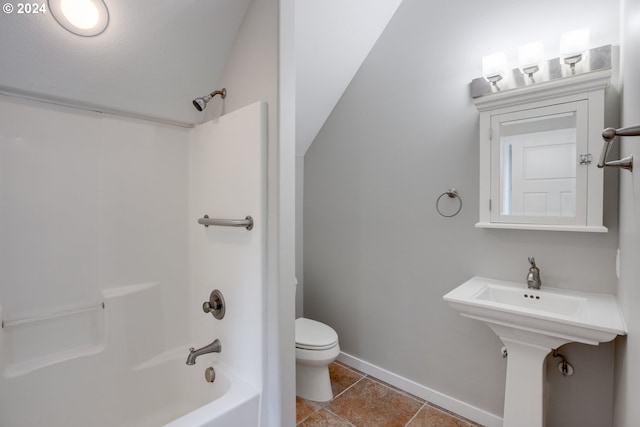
[
  {"x": 153, "y": 59},
  {"x": 158, "y": 55}
]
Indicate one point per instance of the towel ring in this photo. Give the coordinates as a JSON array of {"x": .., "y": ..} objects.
[{"x": 453, "y": 194}]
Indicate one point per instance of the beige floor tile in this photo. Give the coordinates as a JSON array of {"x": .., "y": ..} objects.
[
  {"x": 323, "y": 418},
  {"x": 431, "y": 417},
  {"x": 304, "y": 408},
  {"x": 371, "y": 404},
  {"x": 342, "y": 377}
]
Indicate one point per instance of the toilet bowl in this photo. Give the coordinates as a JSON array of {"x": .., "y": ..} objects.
[{"x": 316, "y": 347}]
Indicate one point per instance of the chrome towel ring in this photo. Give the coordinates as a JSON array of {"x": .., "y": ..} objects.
[{"x": 453, "y": 194}]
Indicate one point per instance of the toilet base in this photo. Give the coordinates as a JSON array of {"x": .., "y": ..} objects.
[{"x": 313, "y": 383}]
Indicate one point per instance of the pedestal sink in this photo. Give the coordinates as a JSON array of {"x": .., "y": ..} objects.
[{"x": 531, "y": 323}]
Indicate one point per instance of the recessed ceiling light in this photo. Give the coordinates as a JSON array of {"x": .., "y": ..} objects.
[{"x": 81, "y": 17}]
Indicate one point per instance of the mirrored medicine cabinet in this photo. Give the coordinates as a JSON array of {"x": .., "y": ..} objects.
[{"x": 538, "y": 151}]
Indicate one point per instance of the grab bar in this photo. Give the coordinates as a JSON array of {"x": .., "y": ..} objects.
[
  {"x": 68, "y": 312},
  {"x": 608, "y": 135},
  {"x": 247, "y": 222}
]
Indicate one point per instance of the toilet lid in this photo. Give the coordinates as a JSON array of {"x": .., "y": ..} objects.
[{"x": 314, "y": 335}]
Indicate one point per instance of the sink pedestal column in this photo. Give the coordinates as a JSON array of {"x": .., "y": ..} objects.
[
  {"x": 524, "y": 391},
  {"x": 531, "y": 324}
]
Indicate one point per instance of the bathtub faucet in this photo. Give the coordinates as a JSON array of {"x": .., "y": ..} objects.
[{"x": 214, "y": 347}]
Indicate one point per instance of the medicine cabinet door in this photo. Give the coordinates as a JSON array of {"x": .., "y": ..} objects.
[{"x": 536, "y": 175}]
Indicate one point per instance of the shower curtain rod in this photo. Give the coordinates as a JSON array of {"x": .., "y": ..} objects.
[{"x": 88, "y": 107}]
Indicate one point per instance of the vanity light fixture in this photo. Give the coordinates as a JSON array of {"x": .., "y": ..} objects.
[
  {"x": 572, "y": 46},
  {"x": 85, "y": 18},
  {"x": 493, "y": 67},
  {"x": 531, "y": 58}
]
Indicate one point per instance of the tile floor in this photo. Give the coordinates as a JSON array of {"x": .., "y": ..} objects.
[{"x": 363, "y": 401}]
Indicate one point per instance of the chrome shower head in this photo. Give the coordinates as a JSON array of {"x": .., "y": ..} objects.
[{"x": 201, "y": 103}]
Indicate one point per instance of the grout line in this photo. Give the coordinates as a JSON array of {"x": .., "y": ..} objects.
[
  {"x": 453, "y": 414},
  {"x": 350, "y": 368},
  {"x": 398, "y": 390},
  {"x": 345, "y": 390},
  {"x": 307, "y": 417},
  {"x": 341, "y": 419},
  {"x": 416, "y": 414}
]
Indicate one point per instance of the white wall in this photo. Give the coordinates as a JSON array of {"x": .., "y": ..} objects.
[
  {"x": 378, "y": 258},
  {"x": 254, "y": 71},
  {"x": 627, "y": 411},
  {"x": 90, "y": 202},
  {"x": 259, "y": 69},
  {"x": 227, "y": 179}
]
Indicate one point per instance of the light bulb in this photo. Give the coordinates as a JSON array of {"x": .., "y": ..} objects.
[{"x": 81, "y": 17}]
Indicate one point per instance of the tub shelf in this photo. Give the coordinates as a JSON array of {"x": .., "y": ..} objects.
[
  {"x": 33, "y": 342},
  {"x": 47, "y": 316}
]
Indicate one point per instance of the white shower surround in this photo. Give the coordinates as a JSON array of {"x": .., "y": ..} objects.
[{"x": 98, "y": 209}]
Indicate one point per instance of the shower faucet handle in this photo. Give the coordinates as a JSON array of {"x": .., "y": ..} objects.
[
  {"x": 208, "y": 306},
  {"x": 215, "y": 305}
]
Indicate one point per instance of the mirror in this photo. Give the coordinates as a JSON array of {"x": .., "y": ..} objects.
[
  {"x": 539, "y": 179},
  {"x": 538, "y": 167},
  {"x": 535, "y": 151}
]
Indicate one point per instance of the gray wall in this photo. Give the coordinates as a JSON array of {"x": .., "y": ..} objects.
[
  {"x": 627, "y": 410},
  {"x": 377, "y": 256}
]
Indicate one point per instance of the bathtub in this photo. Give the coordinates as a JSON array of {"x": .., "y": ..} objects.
[
  {"x": 170, "y": 393},
  {"x": 105, "y": 366},
  {"x": 101, "y": 339},
  {"x": 163, "y": 391}
]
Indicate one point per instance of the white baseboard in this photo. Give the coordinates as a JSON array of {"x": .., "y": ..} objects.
[{"x": 449, "y": 403}]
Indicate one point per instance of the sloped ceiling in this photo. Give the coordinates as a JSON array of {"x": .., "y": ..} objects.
[
  {"x": 158, "y": 55},
  {"x": 333, "y": 38},
  {"x": 153, "y": 59}
]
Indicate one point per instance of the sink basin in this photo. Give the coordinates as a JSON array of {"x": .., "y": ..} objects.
[
  {"x": 531, "y": 323},
  {"x": 533, "y": 301},
  {"x": 567, "y": 315}
]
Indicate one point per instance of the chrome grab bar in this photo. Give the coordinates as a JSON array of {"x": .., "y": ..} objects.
[
  {"x": 608, "y": 135},
  {"x": 247, "y": 222}
]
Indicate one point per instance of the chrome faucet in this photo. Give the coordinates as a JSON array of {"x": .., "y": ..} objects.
[
  {"x": 214, "y": 347},
  {"x": 533, "y": 277}
]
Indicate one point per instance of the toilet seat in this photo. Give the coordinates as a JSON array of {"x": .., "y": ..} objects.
[{"x": 312, "y": 335}]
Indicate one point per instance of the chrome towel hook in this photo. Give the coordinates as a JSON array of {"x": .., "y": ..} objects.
[{"x": 608, "y": 135}]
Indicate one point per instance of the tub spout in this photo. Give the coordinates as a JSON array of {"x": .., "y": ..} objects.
[{"x": 214, "y": 347}]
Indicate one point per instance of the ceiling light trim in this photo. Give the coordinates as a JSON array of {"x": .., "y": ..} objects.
[{"x": 55, "y": 7}]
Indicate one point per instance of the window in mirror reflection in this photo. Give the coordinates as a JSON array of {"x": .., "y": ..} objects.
[{"x": 538, "y": 166}]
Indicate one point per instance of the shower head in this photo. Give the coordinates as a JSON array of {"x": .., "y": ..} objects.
[{"x": 201, "y": 103}]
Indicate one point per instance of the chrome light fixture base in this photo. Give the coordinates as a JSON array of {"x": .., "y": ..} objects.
[
  {"x": 530, "y": 71},
  {"x": 494, "y": 79},
  {"x": 597, "y": 59}
]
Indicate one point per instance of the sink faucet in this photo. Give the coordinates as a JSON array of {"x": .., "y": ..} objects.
[
  {"x": 214, "y": 347},
  {"x": 533, "y": 277}
]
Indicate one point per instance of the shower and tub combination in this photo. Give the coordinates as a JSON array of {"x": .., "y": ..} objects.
[{"x": 105, "y": 266}]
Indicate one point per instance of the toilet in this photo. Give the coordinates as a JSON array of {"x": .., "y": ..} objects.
[{"x": 316, "y": 347}]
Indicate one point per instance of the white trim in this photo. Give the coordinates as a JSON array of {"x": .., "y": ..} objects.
[
  {"x": 549, "y": 227},
  {"x": 447, "y": 402},
  {"x": 573, "y": 85}
]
